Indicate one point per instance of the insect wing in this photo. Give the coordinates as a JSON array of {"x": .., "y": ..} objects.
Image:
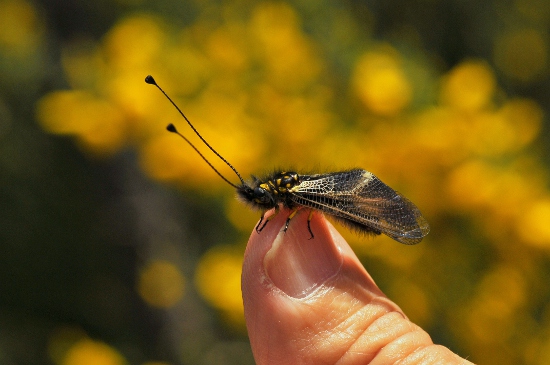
[{"x": 362, "y": 201}]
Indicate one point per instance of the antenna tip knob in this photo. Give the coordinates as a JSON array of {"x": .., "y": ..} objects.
[
  {"x": 150, "y": 80},
  {"x": 171, "y": 128}
]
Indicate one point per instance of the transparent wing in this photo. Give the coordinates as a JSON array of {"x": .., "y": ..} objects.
[{"x": 360, "y": 200}]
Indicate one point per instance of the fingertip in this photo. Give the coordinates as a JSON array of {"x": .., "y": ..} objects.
[{"x": 296, "y": 264}]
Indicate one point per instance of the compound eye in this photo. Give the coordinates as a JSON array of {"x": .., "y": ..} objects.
[
  {"x": 261, "y": 195},
  {"x": 259, "y": 192}
]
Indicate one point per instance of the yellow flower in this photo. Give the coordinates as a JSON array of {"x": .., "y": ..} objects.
[
  {"x": 380, "y": 82},
  {"x": 533, "y": 226},
  {"x": 218, "y": 279},
  {"x": 96, "y": 123},
  {"x": 161, "y": 284},
  {"x": 285, "y": 52},
  {"x": 89, "y": 352},
  {"x": 469, "y": 86}
]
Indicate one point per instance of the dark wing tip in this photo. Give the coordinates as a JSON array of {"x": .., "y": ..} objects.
[{"x": 415, "y": 235}]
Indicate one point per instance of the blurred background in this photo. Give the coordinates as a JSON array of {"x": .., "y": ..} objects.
[{"x": 118, "y": 244}]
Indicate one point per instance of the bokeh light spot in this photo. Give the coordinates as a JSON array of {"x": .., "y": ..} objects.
[
  {"x": 534, "y": 225},
  {"x": 161, "y": 284},
  {"x": 380, "y": 82},
  {"x": 89, "y": 352},
  {"x": 97, "y": 124},
  {"x": 218, "y": 279},
  {"x": 134, "y": 43},
  {"x": 277, "y": 32},
  {"x": 469, "y": 86}
]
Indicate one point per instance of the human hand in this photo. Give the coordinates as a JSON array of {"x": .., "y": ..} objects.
[{"x": 312, "y": 302}]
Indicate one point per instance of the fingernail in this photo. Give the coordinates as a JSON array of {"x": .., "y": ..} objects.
[{"x": 298, "y": 265}]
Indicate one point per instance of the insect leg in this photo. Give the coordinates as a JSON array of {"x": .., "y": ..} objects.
[
  {"x": 259, "y": 223},
  {"x": 310, "y": 216},
  {"x": 292, "y": 214},
  {"x": 259, "y": 226}
]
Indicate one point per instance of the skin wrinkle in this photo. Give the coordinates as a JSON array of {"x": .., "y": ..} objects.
[
  {"x": 346, "y": 353},
  {"x": 433, "y": 355},
  {"x": 315, "y": 340},
  {"x": 416, "y": 356},
  {"x": 385, "y": 321},
  {"x": 341, "y": 332},
  {"x": 370, "y": 338},
  {"x": 344, "y": 320},
  {"x": 394, "y": 351},
  {"x": 343, "y": 358},
  {"x": 360, "y": 312}
]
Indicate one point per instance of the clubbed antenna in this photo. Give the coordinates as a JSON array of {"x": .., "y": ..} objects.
[{"x": 171, "y": 128}]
